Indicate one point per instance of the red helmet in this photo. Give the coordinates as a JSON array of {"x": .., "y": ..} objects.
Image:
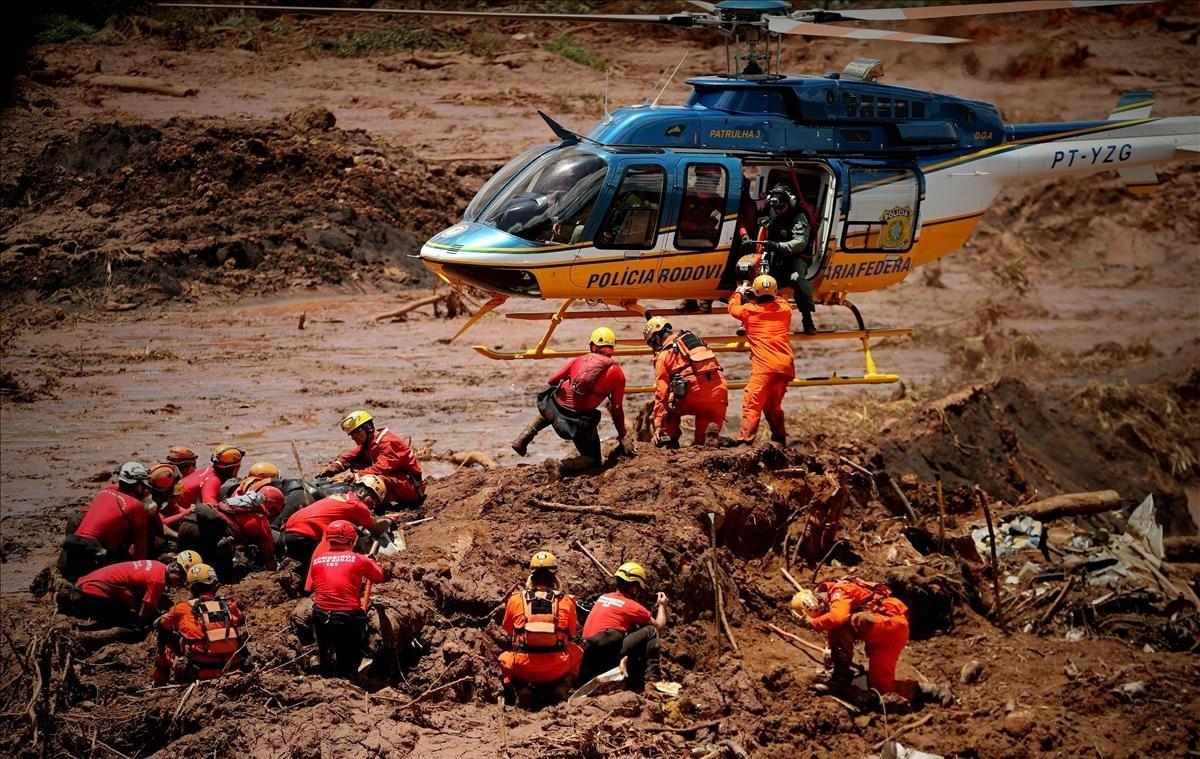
[
  {"x": 272, "y": 500},
  {"x": 341, "y": 532}
]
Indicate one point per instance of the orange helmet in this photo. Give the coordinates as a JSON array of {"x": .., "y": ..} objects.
[
  {"x": 181, "y": 454},
  {"x": 272, "y": 500},
  {"x": 265, "y": 469},
  {"x": 163, "y": 477},
  {"x": 227, "y": 456}
]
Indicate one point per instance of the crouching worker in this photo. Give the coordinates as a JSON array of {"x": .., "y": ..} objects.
[
  {"x": 337, "y": 580},
  {"x": 853, "y": 609},
  {"x": 688, "y": 381},
  {"x": 198, "y": 638},
  {"x": 304, "y": 529},
  {"x": 129, "y": 593},
  {"x": 620, "y": 631},
  {"x": 541, "y": 621}
]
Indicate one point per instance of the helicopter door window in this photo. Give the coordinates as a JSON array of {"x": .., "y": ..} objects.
[
  {"x": 902, "y": 109},
  {"x": 632, "y": 221},
  {"x": 703, "y": 207},
  {"x": 883, "y": 210}
]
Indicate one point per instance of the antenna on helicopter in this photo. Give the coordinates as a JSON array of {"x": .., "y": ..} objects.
[
  {"x": 669, "y": 78},
  {"x": 607, "y": 115},
  {"x": 653, "y": 87}
]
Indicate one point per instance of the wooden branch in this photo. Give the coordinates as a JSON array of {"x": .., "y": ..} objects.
[
  {"x": 941, "y": 517},
  {"x": 412, "y": 305},
  {"x": 987, "y": 513},
  {"x": 797, "y": 640},
  {"x": 1068, "y": 505},
  {"x": 138, "y": 84},
  {"x": 597, "y": 510},
  {"x": 908, "y": 509},
  {"x": 1054, "y": 607},
  {"x": 791, "y": 579},
  {"x": 904, "y": 729},
  {"x": 599, "y": 564},
  {"x": 430, "y": 692},
  {"x": 687, "y": 729}
]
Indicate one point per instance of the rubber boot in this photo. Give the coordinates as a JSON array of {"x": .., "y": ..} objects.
[
  {"x": 521, "y": 444},
  {"x": 810, "y": 328},
  {"x": 576, "y": 464},
  {"x": 781, "y": 439},
  {"x": 931, "y": 693}
]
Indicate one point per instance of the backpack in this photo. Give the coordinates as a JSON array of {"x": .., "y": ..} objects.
[
  {"x": 540, "y": 632},
  {"x": 702, "y": 362},
  {"x": 219, "y": 634},
  {"x": 595, "y": 365}
]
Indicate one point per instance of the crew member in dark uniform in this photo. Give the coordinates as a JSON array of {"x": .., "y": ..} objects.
[{"x": 787, "y": 248}]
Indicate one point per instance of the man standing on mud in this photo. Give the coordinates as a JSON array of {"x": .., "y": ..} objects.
[
  {"x": 383, "y": 454},
  {"x": 571, "y": 404},
  {"x": 620, "y": 628},
  {"x": 767, "y": 320},
  {"x": 336, "y": 580}
]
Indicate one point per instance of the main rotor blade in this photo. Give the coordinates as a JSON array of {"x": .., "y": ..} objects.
[
  {"x": 974, "y": 9},
  {"x": 784, "y": 25},
  {"x": 679, "y": 19}
]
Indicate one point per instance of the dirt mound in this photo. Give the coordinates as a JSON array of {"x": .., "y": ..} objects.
[{"x": 146, "y": 212}]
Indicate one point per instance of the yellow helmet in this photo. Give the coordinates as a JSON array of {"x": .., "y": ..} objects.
[
  {"x": 631, "y": 571},
  {"x": 374, "y": 483},
  {"x": 603, "y": 337},
  {"x": 188, "y": 559},
  {"x": 655, "y": 326},
  {"x": 264, "y": 470},
  {"x": 764, "y": 284},
  {"x": 354, "y": 420},
  {"x": 543, "y": 560},
  {"x": 227, "y": 455},
  {"x": 201, "y": 574},
  {"x": 805, "y": 602}
]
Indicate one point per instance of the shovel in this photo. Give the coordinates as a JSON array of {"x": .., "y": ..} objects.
[{"x": 614, "y": 675}]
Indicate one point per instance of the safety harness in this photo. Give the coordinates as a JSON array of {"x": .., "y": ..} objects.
[
  {"x": 595, "y": 365},
  {"x": 702, "y": 363},
  {"x": 219, "y": 636},
  {"x": 540, "y": 632}
]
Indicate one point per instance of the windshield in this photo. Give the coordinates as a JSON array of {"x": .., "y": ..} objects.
[
  {"x": 551, "y": 199},
  {"x": 500, "y": 179}
]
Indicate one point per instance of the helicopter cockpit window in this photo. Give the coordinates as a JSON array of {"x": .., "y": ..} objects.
[
  {"x": 703, "y": 207},
  {"x": 883, "y": 210},
  {"x": 500, "y": 179},
  {"x": 632, "y": 220},
  {"x": 550, "y": 199}
]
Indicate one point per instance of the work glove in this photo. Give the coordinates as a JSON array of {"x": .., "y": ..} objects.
[
  {"x": 770, "y": 246},
  {"x": 662, "y": 440},
  {"x": 746, "y": 240},
  {"x": 346, "y": 476}
]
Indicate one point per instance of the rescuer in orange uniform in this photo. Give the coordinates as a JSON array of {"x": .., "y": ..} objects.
[
  {"x": 768, "y": 324},
  {"x": 199, "y": 638},
  {"x": 688, "y": 381},
  {"x": 571, "y": 404},
  {"x": 541, "y": 621},
  {"x": 382, "y": 453},
  {"x": 852, "y": 609}
]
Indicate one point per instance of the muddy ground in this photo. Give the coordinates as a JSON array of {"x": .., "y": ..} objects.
[{"x": 160, "y": 255}]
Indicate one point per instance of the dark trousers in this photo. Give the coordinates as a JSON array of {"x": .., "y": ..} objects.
[
  {"x": 300, "y": 548},
  {"x": 586, "y": 437},
  {"x": 204, "y": 532},
  {"x": 76, "y": 603},
  {"x": 341, "y": 637},
  {"x": 606, "y": 649},
  {"x": 80, "y": 556}
]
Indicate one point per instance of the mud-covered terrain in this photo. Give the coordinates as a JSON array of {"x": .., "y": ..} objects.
[{"x": 204, "y": 268}]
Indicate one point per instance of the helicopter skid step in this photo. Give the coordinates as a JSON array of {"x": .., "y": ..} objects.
[
  {"x": 833, "y": 380},
  {"x": 718, "y": 344},
  {"x": 613, "y": 314}
]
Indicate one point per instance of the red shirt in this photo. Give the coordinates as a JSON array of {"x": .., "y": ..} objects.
[
  {"x": 768, "y": 331},
  {"x": 312, "y": 520},
  {"x": 337, "y": 577},
  {"x": 385, "y": 454},
  {"x": 611, "y": 384},
  {"x": 615, "y": 611},
  {"x": 197, "y": 486},
  {"x": 251, "y": 528},
  {"x": 130, "y": 582},
  {"x": 114, "y": 518}
]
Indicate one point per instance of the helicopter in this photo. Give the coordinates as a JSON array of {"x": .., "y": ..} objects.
[{"x": 659, "y": 202}]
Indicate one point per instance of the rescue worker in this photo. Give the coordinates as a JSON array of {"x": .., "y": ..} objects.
[
  {"x": 217, "y": 531},
  {"x": 261, "y": 475},
  {"x": 541, "y": 621},
  {"x": 129, "y": 592},
  {"x": 620, "y": 630},
  {"x": 336, "y": 580},
  {"x": 571, "y": 404},
  {"x": 306, "y": 527},
  {"x": 767, "y": 321},
  {"x": 688, "y": 381},
  {"x": 115, "y": 527},
  {"x": 199, "y": 638},
  {"x": 853, "y": 609},
  {"x": 787, "y": 247},
  {"x": 381, "y": 453},
  {"x": 204, "y": 485},
  {"x": 162, "y": 481},
  {"x": 184, "y": 459}
]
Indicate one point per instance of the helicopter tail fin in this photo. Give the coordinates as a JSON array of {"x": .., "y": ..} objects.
[{"x": 1139, "y": 180}]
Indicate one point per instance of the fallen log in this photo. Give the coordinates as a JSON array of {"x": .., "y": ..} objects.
[
  {"x": 138, "y": 84},
  {"x": 578, "y": 509},
  {"x": 797, "y": 641},
  {"x": 1182, "y": 548},
  {"x": 1067, "y": 505},
  {"x": 472, "y": 458},
  {"x": 412, "y": 305}
]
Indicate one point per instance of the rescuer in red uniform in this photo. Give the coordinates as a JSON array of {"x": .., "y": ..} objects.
[
  {"x": 204, "y": 485},
  {"x": 129, "y": 592},
  {"x": 336, "y": 579},
  {"x": 306, "y": 527},
  {"x": 115, "y": 527},
  {"x": 382, "y": 453}
]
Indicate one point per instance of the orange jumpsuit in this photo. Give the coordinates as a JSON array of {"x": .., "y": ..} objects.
[
  {"x": 857, "y": 613},
  {"x": 541, "y": 667},
  {"x": 181, "y": 620},
  {"x": 707, "y": 397},
  {"x": 772, "y": 364}
]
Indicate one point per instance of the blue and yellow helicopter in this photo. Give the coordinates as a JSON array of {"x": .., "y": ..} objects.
[{"x": 652, "y": 203}]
